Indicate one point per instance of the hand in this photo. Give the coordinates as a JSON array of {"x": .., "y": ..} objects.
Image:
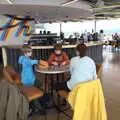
[
  {"x": 55, "y": 63},
  {"x": 39, "y": 62},
  {"x": 63, "y": 63}
]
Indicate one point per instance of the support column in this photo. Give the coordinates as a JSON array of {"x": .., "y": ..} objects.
[
  {"x": 4, "y": 56},
  {"x": 95, "y": 25},
  {"x": 60, "y": 28}
]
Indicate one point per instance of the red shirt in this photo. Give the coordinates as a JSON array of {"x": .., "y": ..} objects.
[{"x": 58, "y": 58}]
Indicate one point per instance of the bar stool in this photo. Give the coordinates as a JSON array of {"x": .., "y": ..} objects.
[
  {"x": 13, "y": 77},
  {"x": 64, "y": 94}
]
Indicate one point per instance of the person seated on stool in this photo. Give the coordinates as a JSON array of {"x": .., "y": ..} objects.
[
  {"x": 82, "y": 69},
  {"x": 58, "y": 57},
  {"x": 27, "y": 74}
]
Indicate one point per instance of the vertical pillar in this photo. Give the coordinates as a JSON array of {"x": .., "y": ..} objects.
[
  {"x": 60, "y": 28},
  {"x": 4, "y": 56},
  {"x": 95, "y": 25}
]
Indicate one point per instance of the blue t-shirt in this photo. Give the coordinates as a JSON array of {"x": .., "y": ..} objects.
[{"x": 27, "y": 74}]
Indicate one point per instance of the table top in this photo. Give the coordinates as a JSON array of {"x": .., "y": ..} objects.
[{"x": 52, "y": 70}]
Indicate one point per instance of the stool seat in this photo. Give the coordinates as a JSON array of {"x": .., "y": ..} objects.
[
  {"x": 13, "y": 77},
  {"x": 31, "y": 92}
]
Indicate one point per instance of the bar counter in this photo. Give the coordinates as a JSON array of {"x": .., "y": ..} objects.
[{"x": 12, "y": 53}]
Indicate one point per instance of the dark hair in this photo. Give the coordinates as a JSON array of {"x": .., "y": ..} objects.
[
  {"x": 82, "y": 49},
  {"x": 101, "y": 31},
  {"x": 58, "y": 47}
]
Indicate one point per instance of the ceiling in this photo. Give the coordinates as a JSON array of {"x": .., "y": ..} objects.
[
  {"x": 45, "y": 13},
  {"x": 106, "y": 8},
  {"x": 77, "y": 4},
  {"x": 47, "y": 10},
  {"x": 61, "y": 10}
]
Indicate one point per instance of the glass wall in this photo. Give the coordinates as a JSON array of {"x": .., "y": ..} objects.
[
  {"x": 52, "y": 27},
  {"x": 70, "y": 28},
  {"x": 109, "y": 26}
]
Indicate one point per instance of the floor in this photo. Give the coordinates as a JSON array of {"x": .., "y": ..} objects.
[
  {"x": 111, "y": 82},
  {"x": 110, "y": 79}
]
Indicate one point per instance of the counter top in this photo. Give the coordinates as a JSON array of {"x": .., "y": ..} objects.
[
  {"x": 67, "y": 46},
  {"x": 64, "y": 46}
]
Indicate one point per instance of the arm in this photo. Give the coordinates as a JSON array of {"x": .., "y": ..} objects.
[
  {"x": 51, "y": 59},
  {"x": 66, "y": 59},
  {"x": 25, "y": 60},
  {"x": 95, "y": 69},
  {"x": 20, "y": 59},
  {"x": 34, "y": 62},
  {"x": 71, "y": 66}
]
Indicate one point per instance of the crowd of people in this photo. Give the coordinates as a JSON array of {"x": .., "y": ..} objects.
[
  {"x": 116, "y": 37},
  {"x": 89, "y": 36}
]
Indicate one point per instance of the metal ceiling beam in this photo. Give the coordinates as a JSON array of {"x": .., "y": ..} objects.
[
  {"x": 106, "y": 7},
  {"x": 109, "y": 13}
]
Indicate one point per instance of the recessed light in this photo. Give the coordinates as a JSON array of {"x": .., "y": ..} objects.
[{"x": 10, "y": 1}]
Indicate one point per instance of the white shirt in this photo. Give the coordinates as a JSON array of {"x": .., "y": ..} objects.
[
  {"x": 82, "y": 69},
  {"x": 101, "y": 37}
]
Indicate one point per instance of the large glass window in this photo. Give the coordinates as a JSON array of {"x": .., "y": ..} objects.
[{"x": 109, "y": 26}]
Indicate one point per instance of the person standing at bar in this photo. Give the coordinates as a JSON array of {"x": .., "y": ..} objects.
[{"x": 101, "y": 36}]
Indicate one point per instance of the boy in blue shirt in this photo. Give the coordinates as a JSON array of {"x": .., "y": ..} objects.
[{"x": 27, "y": 74}]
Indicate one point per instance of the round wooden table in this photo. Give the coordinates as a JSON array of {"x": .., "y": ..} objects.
[{"x": 56, "y": 71}]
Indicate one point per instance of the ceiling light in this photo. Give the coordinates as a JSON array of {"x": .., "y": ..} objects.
[
  {"x": 69, "y": 2},
  {"x": 10, "y": 1}
]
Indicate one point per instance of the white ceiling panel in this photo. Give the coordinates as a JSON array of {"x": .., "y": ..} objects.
[
  {"x": 45, "y": 13},
  {"x": 41, "y": 2},
  {"x": 77, "y": 4},
  {"x": 3, "y": 2},
  {"x": 36, "y": 2}
]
